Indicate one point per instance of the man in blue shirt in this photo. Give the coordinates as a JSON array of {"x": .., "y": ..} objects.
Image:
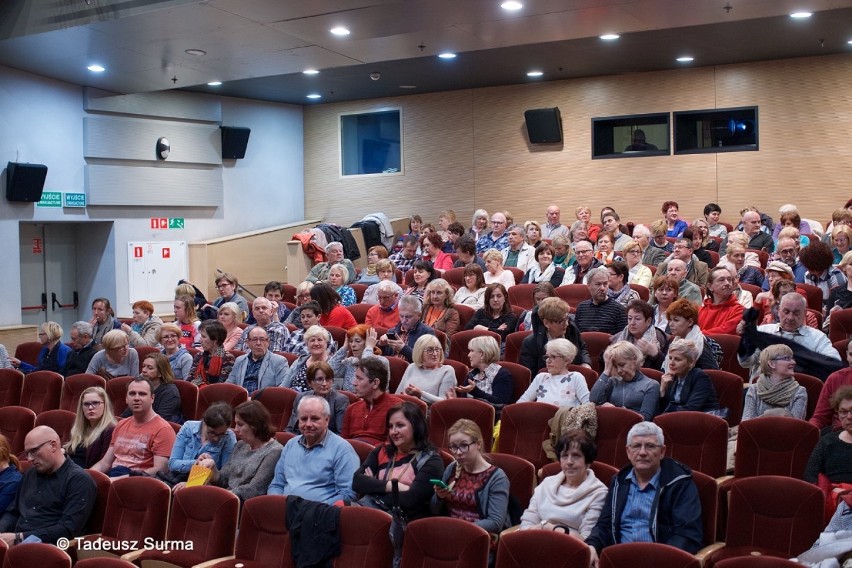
[
  {"x": 498, "y": 238},
  {"x": 654, "y": 499},
  {"x": 318, "y": 465}
]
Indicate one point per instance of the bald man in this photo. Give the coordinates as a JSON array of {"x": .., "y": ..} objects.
[{"x": 55, "y": 496}]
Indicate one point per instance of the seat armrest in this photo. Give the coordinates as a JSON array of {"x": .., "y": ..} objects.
[
  {"x": 214, "y": 561},
  {"x": 705, "y": 552}
]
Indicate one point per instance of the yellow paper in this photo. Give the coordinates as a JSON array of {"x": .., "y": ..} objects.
[{"x": 198, "y": 475}]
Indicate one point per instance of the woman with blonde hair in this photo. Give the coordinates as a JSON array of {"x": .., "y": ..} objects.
[
  {"x": 487, "y": 380},
  {"x": 116, "y": 359},
  {"x": 10, "y": 473},
  {"x": 231, "y": 317},
  {"x": 438, "y": 310},
  {"x": 427, "y": 378},
  {"x": 316, "y": 340},
  {"x": 303, "y": 296},
  {"x": 179, "y": 358},
  {"x": 337, "y": 276},
  {"x": 91, "y": 433},
  {"x": 496, "y": 273},
  {"x": 53, "y": 354},
  {"x": 637, "y": 272},
  {"x": 474, "y": 489},
  {"x": 532, "y": 233}
]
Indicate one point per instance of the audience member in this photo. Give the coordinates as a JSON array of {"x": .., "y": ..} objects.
[
  {"x": 553, "y": 227},
  {"x": 682, "y": 319},
  {"x": 824, "y": 417},
  {"x": 653, "y": 499},
  {"x": 167, "y": 403},
  {"x": 260, "y": 367},
  {"x": 318, "y": 464},
  {"x": 497, "y": 239},
  {"x": 427, "y": 378},
  {"x": 213, "y": 364},
  {"x": 579, "y": 272},
  {"x": 53, "y": 355},
  {"x": 83, "y": 349},
  {"x": 518, "y": 253},
  {"x": 334, "y": 254},
  {"x": 211, "y": 436},
  {"x": 228, "y": 286},
  {"x": 721, "y": 311},
  {"x": 91, "y": 433},
  {"x": 466, "y": 251},
  {"x": 231, "y": 317},
  {"x": 384, "y": 272},
  {"x": 405, "y": 259},
  {"x": 550, "y": 320},
  {"x": 142, "y": 443},
  {"x": 685, "y": 386},
  {"x": 320, "y": 379},
  {"x": 103, "y": 319},
  {"x": 696, "y": 271},
  {"x": 249, "y": 471},
  {"x": 487, "y": 380},
  {"x": 54, "y": 497},
  {"x": 366, "y": 418},
  {"x": 296, "y": 376},
  {"x": 473, "y": 292},
  {"x": 600, "y": 313},
  {"x": 116, "y": 359},
  {"x": 686, "y": 289},
  {"x": 438, "y": 310},
  {"x": 623, "y": 384},
  {"x": 399, "y": 340},
  {"x": 497, "y": 315},
  {"x": 558, "y": 385}
]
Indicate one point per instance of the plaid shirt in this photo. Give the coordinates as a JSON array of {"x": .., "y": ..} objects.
[
  {"x": 404, "y": 264},
  {"x": 827, "y": 281}
]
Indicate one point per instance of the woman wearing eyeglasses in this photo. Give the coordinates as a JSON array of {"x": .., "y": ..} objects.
[
  {"x": 427, "y": 378},
  {"x": 53, "y": 354},
  {"x": 558, "y": 385},
  {"x": 637, "y": 273},
  {"x": 91, "y": 433},
  {"x": 320, "y": 378},
  {"x": 211, "y": 436},
  {"x": 179, "y": 358},
  {"x": 776, "y": 391},
  {"x": 476, "y": 490},
  {"x": 116, "y": 359},
  {"x": 570, "y": 501},
  {"x": 684, "y": 386}
]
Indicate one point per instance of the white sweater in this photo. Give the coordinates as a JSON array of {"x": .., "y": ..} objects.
[
  {"x": 562, "y": 390},
  {"x": 556, "y": 503},
  {"x": 433, "y": 383}
]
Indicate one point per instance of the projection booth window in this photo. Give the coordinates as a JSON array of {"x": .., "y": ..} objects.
[{"x": 371, "y": 142}]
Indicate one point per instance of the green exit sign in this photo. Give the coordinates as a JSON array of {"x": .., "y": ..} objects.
[
  {"x": 75, "y": 200},
  {"x": 50, "y": 199},
  {"x": 176, "y": 223}
]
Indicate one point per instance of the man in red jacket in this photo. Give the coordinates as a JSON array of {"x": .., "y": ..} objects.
[
  {"x": 721, "y": 312},
  {"x": 366, "y": 419}
]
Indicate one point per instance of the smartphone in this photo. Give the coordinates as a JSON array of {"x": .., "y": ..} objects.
[
  {"x": 439, "y": 483},
  {"x": 391, "y": 335}
]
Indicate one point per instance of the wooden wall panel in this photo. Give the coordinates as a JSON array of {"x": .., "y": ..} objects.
[{"x": 468, "y": 149}]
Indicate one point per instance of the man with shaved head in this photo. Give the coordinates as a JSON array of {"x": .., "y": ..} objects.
[
  {"x": 55, "y": 496},
  {"x": 264, "y": 315},
  {"x": 687, "y": 289}
]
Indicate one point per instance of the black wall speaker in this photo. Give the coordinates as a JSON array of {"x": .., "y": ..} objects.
[
  {"x": 24, "y": 182},
  {"x": 234, "y": 142},
  {"x": 544, "y": 125}
]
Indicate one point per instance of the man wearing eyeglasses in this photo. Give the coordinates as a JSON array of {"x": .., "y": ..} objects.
[
  {"x": 260, "y": 367},
  {"x": 83, "y": 349},
  {"x": 697, "y": 272},
  {"x": 578, "y": 273},
  {"x": 497, "y": 238},
  {"x": 654, "y": 499},
  {"x": 55, "y": 496}
]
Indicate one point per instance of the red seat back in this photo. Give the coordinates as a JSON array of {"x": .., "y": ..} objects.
[
  {"x": 233, "y": 395},
  {"x": 462, "y": 544},
  {"x": 514, "y": 341},
  {"x": 445, "y": 413},
  {"x": 613, "y": 424},
  {"x": 774, "y": 445},
  {"x": 696, "y": 439},
  {"x": 60, "y": 420},
  {"x": 15, "y": 424},
  {"x": 364, "y": 538},
  {"x": 42, "y": 391},
  {"x": 73, "y": 388},
  {"x": 523, "y": 427},
  {"x": 521, "y": 378},
  {"x": 11, "y": 384},
  {"x": 458, "y": 346},
  {"x": 521, "y": 549},
  {"x": 279, "y": 402}
]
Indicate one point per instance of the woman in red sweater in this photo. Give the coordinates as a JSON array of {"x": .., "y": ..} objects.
[{"x": 331, "y": 311}]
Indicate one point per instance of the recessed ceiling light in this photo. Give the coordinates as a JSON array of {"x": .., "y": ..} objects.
[
  {"x": 686, "y": 59},
  {"x": 196, "y": 52},
  {"x": 800, "y": 15},
  {"x": 511, "y": 5},
  {"x": 609, "y": 37},
  {"x": 447, "y": 55},
  {"x": 310, "y": 72},
  {"x": 849, "y": 42},
  {"x": 314, "y": 96},
  {"x": 95, "y": 68},
  {"x": 535, "y": 73},
  {"x": 339, "y": 31},
  {"x": 214, "y": 83},
  {"x": 408, "y": 86}
]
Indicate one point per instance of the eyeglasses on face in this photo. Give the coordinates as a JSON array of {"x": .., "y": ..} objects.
[
  {"x": 460, "y": 448},
  {"x": 785, "y": 358},
  {"x": 649, "y": 447},
  {"x": 33, "y": 451},
  {"x": 92, "y": 404},
  {"x": 433, "y": 350}
]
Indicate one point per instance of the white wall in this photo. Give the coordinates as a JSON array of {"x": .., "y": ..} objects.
[{"x": 43, "y": 123}]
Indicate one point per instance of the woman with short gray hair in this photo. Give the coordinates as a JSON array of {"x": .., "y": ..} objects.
[
  {"x": 623, "y": 384},
  {"x": 684, "y": 386}
]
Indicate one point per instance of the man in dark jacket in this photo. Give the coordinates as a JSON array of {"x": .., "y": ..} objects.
[
  {"x": 654, "y": 499},
  {"x": 550, "y": 321},
  {"x": 84, "y": 349}
]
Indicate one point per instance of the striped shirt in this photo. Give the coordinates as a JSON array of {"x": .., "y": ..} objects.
[{"x": 609, "y": 317}]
